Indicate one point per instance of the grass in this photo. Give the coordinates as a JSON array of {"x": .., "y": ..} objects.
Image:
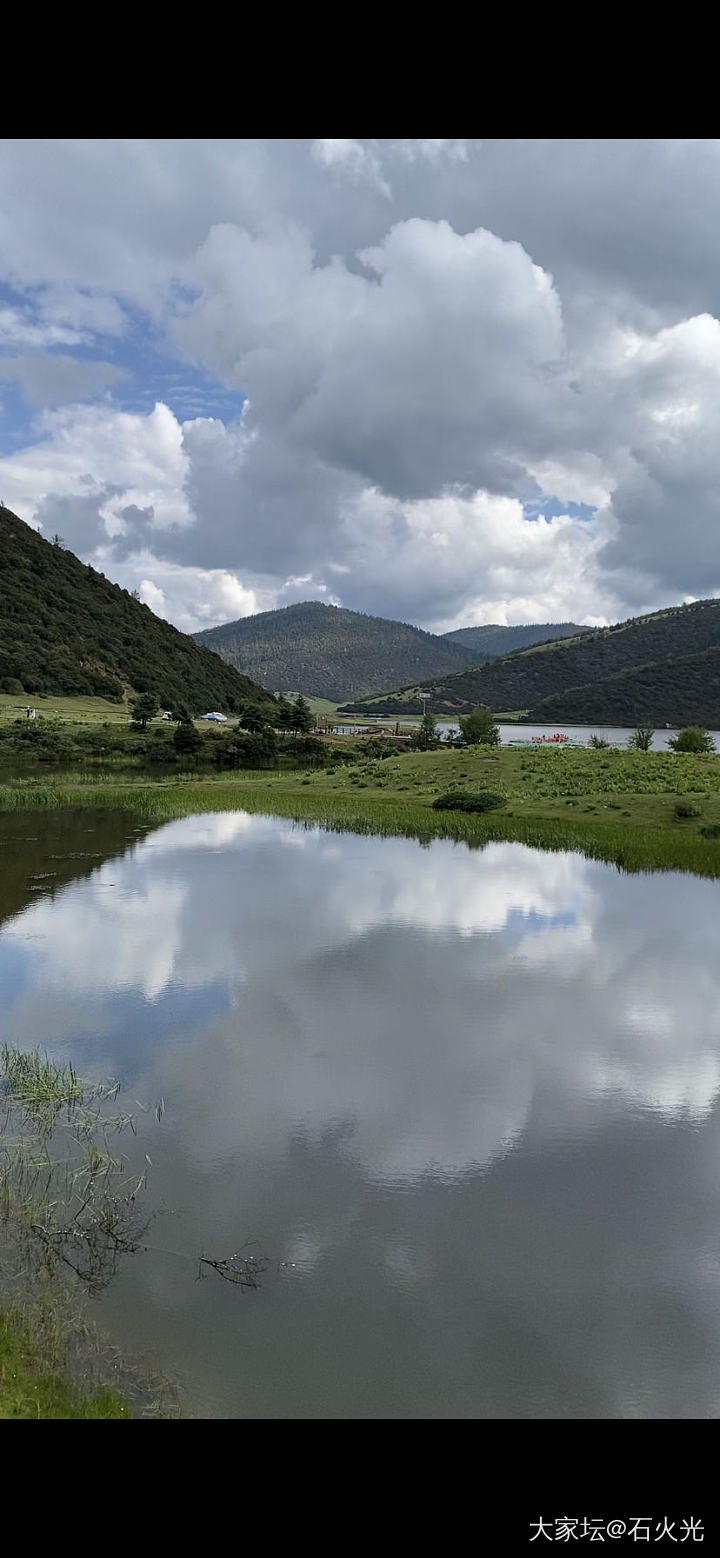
[
  {"x": 28, "y": 1391},
  {"x": 76, "y": 711},
  {"x": 613, "y": 806},
  {"x": 317, "y": 705},
  {"x": 66, "y": 1206},
  {"x": 98, "y": 711}
]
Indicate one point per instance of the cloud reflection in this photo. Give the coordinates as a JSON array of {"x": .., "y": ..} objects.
[{"x": 422, "y": 997}]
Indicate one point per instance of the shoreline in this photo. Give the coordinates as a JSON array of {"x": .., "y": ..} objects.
[{"x": 624, "y": 805}]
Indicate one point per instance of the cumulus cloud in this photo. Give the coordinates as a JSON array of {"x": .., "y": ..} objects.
[
  {"x": 432, "y": 367},
  {"x": 119, "y": 466},
  {"x": 192, "y": 598},
  {"x": 423, "y": 332},
  {"x": 456, "y": 557}
]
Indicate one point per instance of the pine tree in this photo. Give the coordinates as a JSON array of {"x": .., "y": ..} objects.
[
  {"x": 426, "y": 737},
  {"x": 302, "y": 720}
]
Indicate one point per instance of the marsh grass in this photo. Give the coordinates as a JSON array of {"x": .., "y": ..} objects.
[
  {"x": 62, "y": 1188},
  {"x": 619, "y": 800},
  {"x": 42, "y": 1087},
  {"x": 69, "y": 1210},
  {"x": 30, "y": 1388}
]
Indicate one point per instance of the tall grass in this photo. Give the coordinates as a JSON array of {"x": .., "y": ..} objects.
[
  {"x": 69, "y": 1210},
  {"x": 632, "y": 845}
]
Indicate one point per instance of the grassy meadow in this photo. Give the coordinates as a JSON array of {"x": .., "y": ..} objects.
[
  {"x": 615, "y": 806},
  {"x": 73, "y": 711}
]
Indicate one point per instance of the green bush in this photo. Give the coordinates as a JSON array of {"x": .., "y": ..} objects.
[
  {"x": 685, "y": 809},
  {"x": 711, "y": 830},
  {"x": 641, "y": 738},
  {"x": 692, "y": 738},
  {"x": 468, "y": 800},
  {"x": 187, "y": 741},
  {"x": 479, "y": 729}
]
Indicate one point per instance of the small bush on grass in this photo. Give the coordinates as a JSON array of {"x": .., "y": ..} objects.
[
  {"x": 468, "y": 800},
  {"x": 685, "y": 809}
]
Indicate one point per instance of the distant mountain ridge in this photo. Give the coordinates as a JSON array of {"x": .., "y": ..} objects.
[
  {"x": 332, "y": 652},
  {"x": 486, "y": 643},
  {"x": 571, "y": 677},
  {"x": 65, "y": 629}
]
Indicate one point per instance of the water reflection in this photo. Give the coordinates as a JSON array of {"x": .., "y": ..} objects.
[{"x": 471, "y": 1097}]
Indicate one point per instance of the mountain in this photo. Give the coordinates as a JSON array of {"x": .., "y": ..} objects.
[
  {"x": 682, "y": 691},
  {"x": 526, "y": 677},
  {"x": 485, "y": 643},
  {"x": 64, "y": 628},
  {"x": 328, "y": 652}
]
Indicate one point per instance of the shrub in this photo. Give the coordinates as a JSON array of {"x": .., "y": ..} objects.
[
  {"x": 162, "y": 752},
  {"x": 187, "y": 741},
  {"x": 711, "y": 830},
  {"x": 468, "y": 800},
  {"x": 641, "y": 739},
  {"x": 685, "y": 809},
  {"x": 379, "y": 747},
  {"x": 692, "y": 738}
]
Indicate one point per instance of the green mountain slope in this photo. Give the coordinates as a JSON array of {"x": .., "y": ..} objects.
[
  {"x": 329, "y": 652},
  {"x": 485, "y": 643},
  {"x": 64, "y": 629},
  {"x": 682, "y": 691},
  {"x": 525, "y": 678}
]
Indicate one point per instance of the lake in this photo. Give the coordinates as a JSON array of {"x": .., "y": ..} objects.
[
  {"x": 464, "y": 1102},
  {"x": 615, "y": 735}
]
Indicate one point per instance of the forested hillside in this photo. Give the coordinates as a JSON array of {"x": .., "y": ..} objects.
[
  {"x": 685, "y": 691},
  {"x": 485, "y": 643},
  {"x": 328, "y": 652},
  {"x": 66, "y": 629},
  {"x": 523, "y": 679}
]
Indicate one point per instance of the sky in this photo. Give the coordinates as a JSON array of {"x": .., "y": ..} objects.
[{"x": 447, "y": 381}]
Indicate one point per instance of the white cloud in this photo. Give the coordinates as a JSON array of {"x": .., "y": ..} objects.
[
  {"x": 17, "y": 329},
  {"x": 357, "y": 159},
  {"x": 100, "y": 462},
  {"x": 423, "y": 329},
  {"x": 53, "y": 378},
  {"x": 437, "y": 367},
  {"x": 191, "y": 598}
]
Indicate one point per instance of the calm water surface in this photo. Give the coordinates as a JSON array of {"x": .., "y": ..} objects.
[
  {"x": 616, "y": 735},
  {"x": 466, "y": 1101}
]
